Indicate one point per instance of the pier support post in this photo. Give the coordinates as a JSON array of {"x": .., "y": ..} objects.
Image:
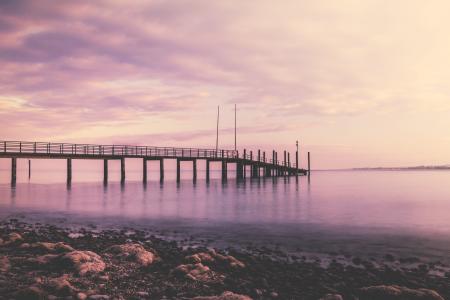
[
  {"x": 289, "y": 164},
  {"x": 144, "y": 170},
  {"x": 105, "y": 171},
  {"x": 122, "y": 170},
  {"x": 13, "y": 170},
  {"x": 224, "y": 170},
  {"x": 239, "y": 170},
  {"x": 194, "y": 170},
  {"x": 258, "y": 164},
  {"x": 29, "y": 168},
  {"x": 69, "y": 170},
  {"x": 161, "y": 170},
  {"x": 207, "y": 170},
  {"x": 254, "y": 170},
  {"x": 309, "y": 164},
  {"x": 178, "y": 170}
]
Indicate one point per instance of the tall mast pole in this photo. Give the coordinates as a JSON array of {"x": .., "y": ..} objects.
[
  {"x": 217, "y": 131},
  {"x": 235, "y": 139}
]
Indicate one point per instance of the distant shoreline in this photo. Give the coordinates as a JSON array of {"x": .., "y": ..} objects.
[{"x": 417, "y": 168}]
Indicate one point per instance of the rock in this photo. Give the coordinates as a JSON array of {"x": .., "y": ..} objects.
[
  {"x": 98, "y": 297},
  {"x": 61, "y": 286},
  {"x": 52, "y": 247},
  {"x": 274, "y": 295},
  {"x": 136, "y": 252},
  {"x": 25, "y": 246},
  {"x": 31, "y": 293},
  {"x": 197, "y": 272},
  {"x": 395, "y": 292},
  {"x": 44, "y": 259},
  {"x": 225, "y": 296},
  {"x": 142, "y": 294},
  {"x": 13, "y": 237},
  {"x": 331, "y": 297},
  {"x": 84, "y": 262},
  {"x": 104, "y": 278},
  {"x": 213, "y": 256},
  {"x": 81, "y": 296},
  {"x": 200, "y": 257},
  {"x": 5, "y": 265}
]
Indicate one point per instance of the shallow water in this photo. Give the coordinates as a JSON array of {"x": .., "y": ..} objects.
[{"x": 335, "y": 210}]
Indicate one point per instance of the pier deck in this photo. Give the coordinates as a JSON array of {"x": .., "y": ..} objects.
[{"x": 68, "y": 151}]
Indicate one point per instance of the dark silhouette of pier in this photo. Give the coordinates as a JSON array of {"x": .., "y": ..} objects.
[{"x": 259, "y": 162}]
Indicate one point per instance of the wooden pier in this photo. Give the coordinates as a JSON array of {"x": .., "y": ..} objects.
[{"x": 257, "y": 163}]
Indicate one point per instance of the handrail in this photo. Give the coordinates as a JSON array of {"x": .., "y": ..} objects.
[{"x": 26, "y": 147}]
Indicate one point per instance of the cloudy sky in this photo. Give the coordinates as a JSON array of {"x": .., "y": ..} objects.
[{"x": 359, "y": 83}]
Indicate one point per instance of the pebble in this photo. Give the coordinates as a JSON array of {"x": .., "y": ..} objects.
[
  {"x": 98, "y": 297},
  {"x": 81, "y": 296}
]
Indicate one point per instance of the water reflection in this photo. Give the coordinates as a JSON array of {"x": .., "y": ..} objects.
[{"x": 410, "y": 200}]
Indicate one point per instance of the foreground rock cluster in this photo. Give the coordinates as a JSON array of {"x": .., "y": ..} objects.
[{"x": 46, "y": 262}]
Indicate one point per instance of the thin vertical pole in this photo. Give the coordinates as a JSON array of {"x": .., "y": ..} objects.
[
  {"x": 224, "y": 170},
  {"x": 207, "y": 170},
  {"x": 144, "y": 170},
  {"x": 296, "y": 163},
  {"x": 194, "y": 169},
  {"x": 13, "y": 170},
  {"x": 105, "y": 171},
  {"x": 161, "y": 170},
  {"x": 122, "y": 170},
  {"x": 309, "y": 164},
  {"x": 178, "y": 170},
  {"x": 29, "y": 169},
  {"x": 235, "y": 130},
  {"x": 69, "y": 170},
  {"x": 217, "y": 131}
]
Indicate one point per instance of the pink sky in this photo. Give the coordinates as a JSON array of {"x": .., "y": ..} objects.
[{"x": 359, "y": 83}]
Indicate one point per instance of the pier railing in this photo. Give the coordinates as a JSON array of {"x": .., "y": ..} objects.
[{"x": 110, "y": 150}]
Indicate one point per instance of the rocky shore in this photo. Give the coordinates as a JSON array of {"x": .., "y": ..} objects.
[{"x": 39, "y": 261}]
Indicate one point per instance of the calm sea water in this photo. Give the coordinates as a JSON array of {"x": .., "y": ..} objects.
[{"x": 333, "y": 203}]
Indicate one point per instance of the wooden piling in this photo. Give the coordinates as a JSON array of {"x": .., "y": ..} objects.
[
  {"x": 178, "y": 170},
  {"x": 105, "y": 171},
  {"x": 69, "y": 170},
  {"x": 122, "y": 170},
  {"x": 207, "y": 170},
  {"x": 239, "y": 174},
  {"x": 194, "y": 170},
  {"x": 13, "y": 170},
  {"x": 161, "y": 170},
  {"x": 309, "y": 164},
  {"x": 224, "y": 170},
  {"x": 144, "y": 170},
  {"x": 29, "y": 168}
]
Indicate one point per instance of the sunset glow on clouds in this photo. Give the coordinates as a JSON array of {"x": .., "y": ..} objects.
[{"x": 359, "y": 83}]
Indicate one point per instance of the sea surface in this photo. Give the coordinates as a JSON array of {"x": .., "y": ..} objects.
[{"x": 362, "y": 212}]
